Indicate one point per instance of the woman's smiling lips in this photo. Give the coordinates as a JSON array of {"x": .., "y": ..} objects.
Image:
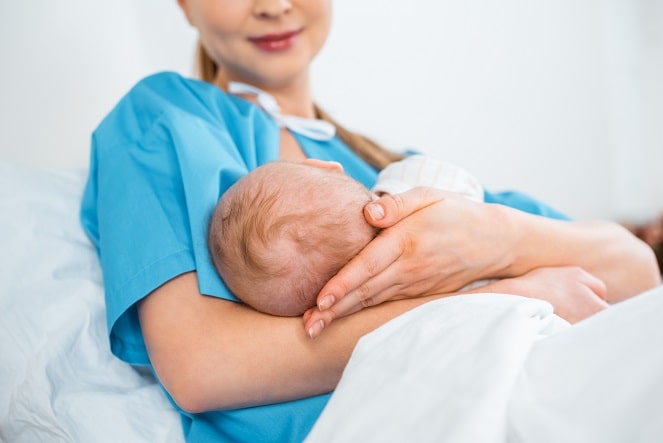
[{"x": 276, "y": 42}]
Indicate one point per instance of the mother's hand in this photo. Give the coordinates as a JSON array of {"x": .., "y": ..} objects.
[
  {"x": 574, "y": 293},
  {"x": 432, "y": 242}
]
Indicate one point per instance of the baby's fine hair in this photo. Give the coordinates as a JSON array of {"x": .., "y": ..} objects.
[{"x": 282, "y": 231}]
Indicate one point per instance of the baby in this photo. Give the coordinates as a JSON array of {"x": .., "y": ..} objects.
[{"x": 283, "y": 230}]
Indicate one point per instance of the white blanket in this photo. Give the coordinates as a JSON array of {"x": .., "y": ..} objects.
[{"x": 497, "y": 368}]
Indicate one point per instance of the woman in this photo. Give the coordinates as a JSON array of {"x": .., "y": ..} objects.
[{"x": 170, "y": 147}]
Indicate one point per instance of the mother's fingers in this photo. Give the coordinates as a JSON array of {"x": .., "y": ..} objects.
[
  {"x": 377, "y": 256},
  {"x": 357, "y": 284},
  {"x": 389, "y": 209},
  {"x": 316, "y": 320},
  {"x": 595, "y": 284},
  {"x": 377, "y": 290}
]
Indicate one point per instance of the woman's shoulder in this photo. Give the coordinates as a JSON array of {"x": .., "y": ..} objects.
[
  {"x": 170, "y": 96},
  {"x": 171, "y": 91},
  {"x": 169, "y": 84}
]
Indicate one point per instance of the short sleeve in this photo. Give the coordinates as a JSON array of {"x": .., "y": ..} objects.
[{"x": 159, "y": 163}]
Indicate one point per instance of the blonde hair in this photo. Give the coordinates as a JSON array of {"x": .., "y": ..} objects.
[
  {"x": 283, "y": 230},
  {"x": 368, "y": 150}
]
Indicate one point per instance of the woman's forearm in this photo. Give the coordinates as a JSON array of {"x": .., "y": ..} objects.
[
  {"x": 610, "y": 252},
  {"x": 215, "y": 354}
]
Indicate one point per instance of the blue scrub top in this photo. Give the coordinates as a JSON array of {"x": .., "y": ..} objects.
[{"x": 159, "y": 162}]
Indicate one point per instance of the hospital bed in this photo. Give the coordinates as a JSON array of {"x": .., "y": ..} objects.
[{"x": 481, "y": 368}]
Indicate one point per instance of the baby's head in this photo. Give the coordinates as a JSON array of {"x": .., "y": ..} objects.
[{"x": 282, "y": 231}]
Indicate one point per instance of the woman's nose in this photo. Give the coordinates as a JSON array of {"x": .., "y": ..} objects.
[{"x": 271, "y": 9}]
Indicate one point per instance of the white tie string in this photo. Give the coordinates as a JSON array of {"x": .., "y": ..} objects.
[{"x": 311, "y": 128}]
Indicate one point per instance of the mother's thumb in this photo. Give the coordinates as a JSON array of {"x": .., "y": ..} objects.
[{"x": 389, "y": 209}]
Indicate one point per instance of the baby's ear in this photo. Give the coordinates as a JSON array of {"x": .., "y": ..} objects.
[{"x": 324, "y": 164}]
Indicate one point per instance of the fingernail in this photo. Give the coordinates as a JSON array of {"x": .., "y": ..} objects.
[
  {"x": 376, "y": 211},
  {"x": 326, "y": 302},
  {"x": 316, "y": 329}
]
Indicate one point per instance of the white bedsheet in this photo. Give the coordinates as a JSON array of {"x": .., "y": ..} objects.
[
  {"x": 497, "y": 368},
  {"x": 58, "y": 379}
]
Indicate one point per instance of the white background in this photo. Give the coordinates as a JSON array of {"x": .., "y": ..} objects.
[{"x": 561, "y": 99}]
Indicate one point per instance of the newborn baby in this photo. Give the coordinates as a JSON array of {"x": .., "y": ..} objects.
[{"x": 283, "y": 230}]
